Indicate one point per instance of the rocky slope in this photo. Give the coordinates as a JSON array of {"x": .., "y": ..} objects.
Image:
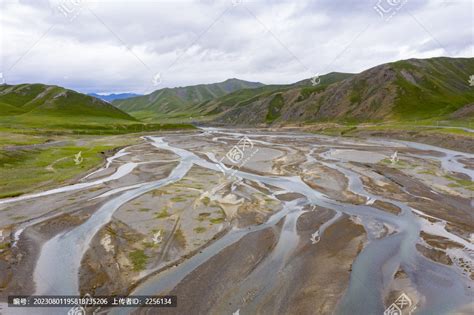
[{"x": 436, "y": 88}]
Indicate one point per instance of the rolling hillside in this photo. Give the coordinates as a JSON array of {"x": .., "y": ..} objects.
[
  {"x": 241, "y": 99},
  {"x": 174, "y": 102},
  {"x": 436, "y": 88},
  {"x": 415, "y": 89},
  {"x": 45, "y": 103}
]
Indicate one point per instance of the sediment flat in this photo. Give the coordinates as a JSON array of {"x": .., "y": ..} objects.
[{"x": 252, "y": 221}]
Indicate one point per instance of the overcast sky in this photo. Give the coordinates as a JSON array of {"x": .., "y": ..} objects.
[{"x": 120, "y": 46}]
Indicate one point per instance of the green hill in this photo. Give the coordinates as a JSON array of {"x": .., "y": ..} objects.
[
  {"x": 176, "y": 102},
  {"x": 415, "y": 89},
  {"x": 7, "y": 109},
  {"x": 408, "y": 90},
  {"x": 234, "y": 103},
  {"x": 46, "y": 101}
]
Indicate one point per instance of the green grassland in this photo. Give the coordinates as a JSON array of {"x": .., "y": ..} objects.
[
  {"x": 440, "y": 89},
  {"x": 36, "y": 157},
  {"x": 425, "y": 126},
  {"x": 77, "y": 124},
  {"x": 43, "y": 127},
  {"x": 139, "y": 259},
  {"x": 32, "y": 163}
]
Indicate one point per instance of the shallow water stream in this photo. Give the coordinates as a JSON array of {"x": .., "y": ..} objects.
[{"x": 444, "y": 289}]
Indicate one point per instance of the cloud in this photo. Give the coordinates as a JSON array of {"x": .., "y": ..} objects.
[{"x": 108, "y": 46}]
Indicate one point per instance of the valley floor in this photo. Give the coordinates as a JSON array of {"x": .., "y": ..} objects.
[{"x": 252, "y": 222}]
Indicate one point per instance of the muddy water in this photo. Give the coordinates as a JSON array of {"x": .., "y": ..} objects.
[
  {"x": 67, "y": 249},
  {"x": 119, "y": 173},
  {"x": 399, "y": 250},
  {"x": 169, "y": 279},
  {"x": 364, "y": 295},
  {"x": 450, "y": 160},
  {"x": 444, "y": 289}
]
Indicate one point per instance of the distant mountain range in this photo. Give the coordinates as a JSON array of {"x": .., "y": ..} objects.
[
  {"x": 41, "y": 101},
  {"x": 176, "y": 101},
  {"x": 404, "y": 90},
  {"x": 112, "y": 97},
  {"x": 436, "y": 88}
]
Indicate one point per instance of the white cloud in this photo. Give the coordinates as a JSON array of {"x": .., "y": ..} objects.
[{"x": 119, "y": 46}]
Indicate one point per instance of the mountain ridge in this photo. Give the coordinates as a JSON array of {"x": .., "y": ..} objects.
[
  {"x": 173, "y": 100},
  {"x": 401, "y": 90},
  {"x": 54, "y": 101},
  {"x": 412, "y": 89}
]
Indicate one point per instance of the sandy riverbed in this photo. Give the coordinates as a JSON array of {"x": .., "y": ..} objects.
[{"x": 277, "y": 231}]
